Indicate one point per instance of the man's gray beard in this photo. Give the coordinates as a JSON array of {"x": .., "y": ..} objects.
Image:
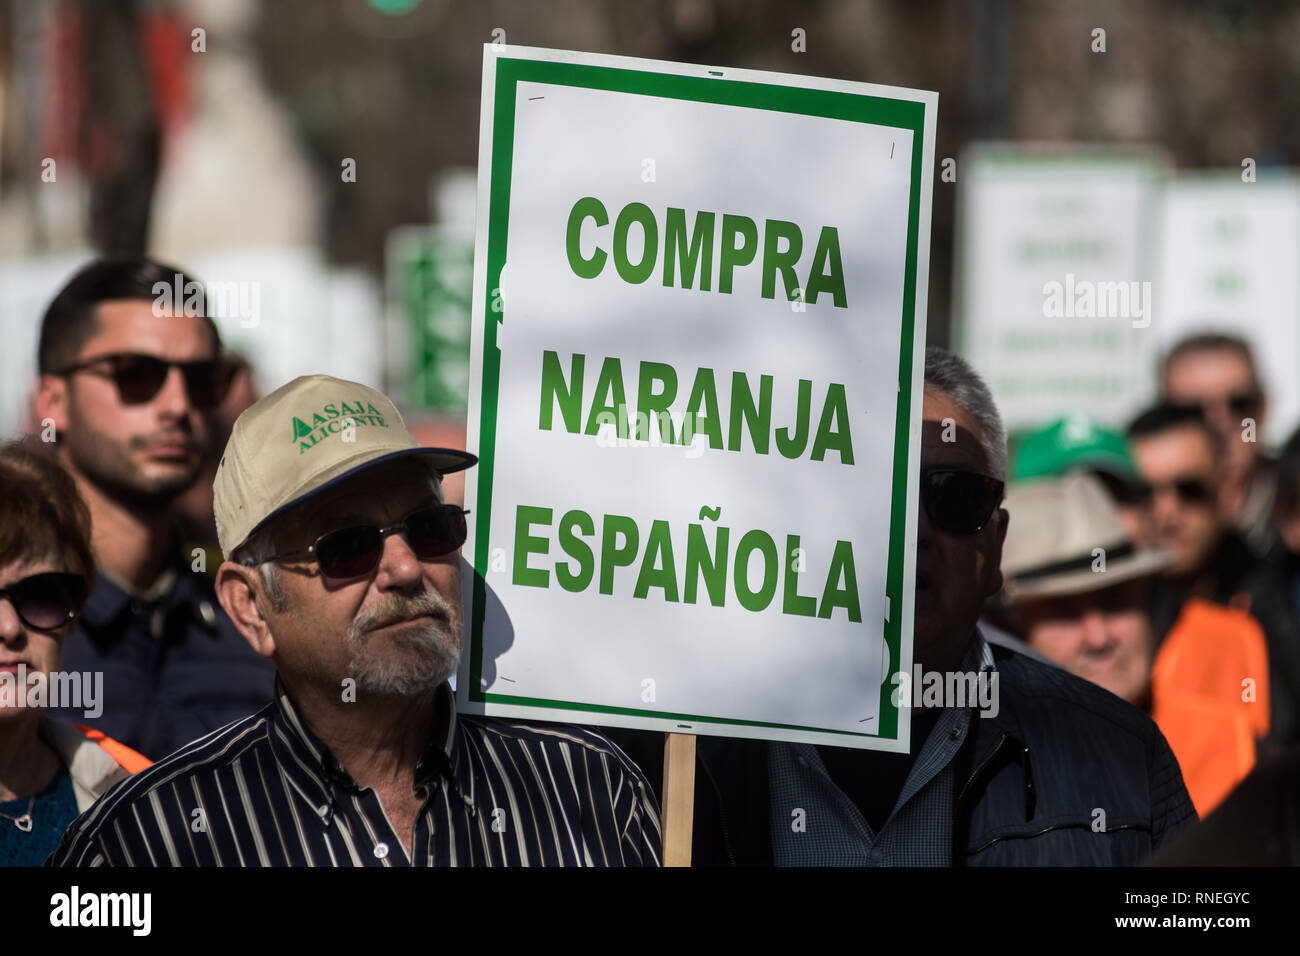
[{"x": 438, "y": 642}]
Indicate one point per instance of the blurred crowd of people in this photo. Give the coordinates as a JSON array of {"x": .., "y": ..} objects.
[{"x": 1163, "y": 562}]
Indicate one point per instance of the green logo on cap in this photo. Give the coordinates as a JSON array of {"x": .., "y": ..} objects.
[{"x": 331, "y": 420}]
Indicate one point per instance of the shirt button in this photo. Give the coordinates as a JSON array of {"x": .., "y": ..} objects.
[
  {"x": 952, "y": 733},
  {"x": 381, "y": 850},
  {"x": 323, "y": 810}
]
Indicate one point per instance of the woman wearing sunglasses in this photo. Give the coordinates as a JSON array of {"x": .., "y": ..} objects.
[{"x": 50, "y": 771}]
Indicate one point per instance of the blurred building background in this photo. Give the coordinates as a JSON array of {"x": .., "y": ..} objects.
[{"x": 324, "y": 151}]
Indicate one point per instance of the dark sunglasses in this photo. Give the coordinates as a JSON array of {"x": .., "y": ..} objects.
[
  {"x": 1189, "y": 490},
  {"x": 1124, "y": 491},
  {"x": 352, "y": 552},
  {"x": 957, "y": 501},
  {"x": 46, "y": 602},
  {"x": 1238, "y": 403},
  {"x": 140, "y": 377}
]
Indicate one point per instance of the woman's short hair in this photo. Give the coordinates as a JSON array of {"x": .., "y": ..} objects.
[{"x": 42, "y": 516}]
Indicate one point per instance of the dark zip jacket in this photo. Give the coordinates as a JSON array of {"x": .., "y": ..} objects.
[{"x": 1066, "y": 774}]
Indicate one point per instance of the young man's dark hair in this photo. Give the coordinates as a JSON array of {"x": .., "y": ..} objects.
[
  {"x": 1211, "y": 342},
  {"x": 70, "y": 318},
  {"x": 1165, "y": 417}
]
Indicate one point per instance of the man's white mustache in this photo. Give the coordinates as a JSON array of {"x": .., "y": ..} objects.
[{"x": 396, "y": 610}]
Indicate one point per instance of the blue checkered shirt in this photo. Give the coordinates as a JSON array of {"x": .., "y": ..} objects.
[{"x": 832, "y": 830}]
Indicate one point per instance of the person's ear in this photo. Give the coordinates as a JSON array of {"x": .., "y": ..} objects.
[
  {"x": 50, "y": 402},
  {"x": 993, "y": 556},
  {"x": 242, "y": 595}
]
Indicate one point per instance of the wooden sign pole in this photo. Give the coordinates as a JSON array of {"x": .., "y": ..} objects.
[{"x": 679, "y": 798}]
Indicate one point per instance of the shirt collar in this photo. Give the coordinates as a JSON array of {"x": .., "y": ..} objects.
[
  {"x": 1006, "y": 720},
  {"x": 105, "y": 603},
  {"x": 300, "y": 754},
  {"x": 176, "y": 587},
  {"x": 979, "y": 656},
  {"x": 445, "y": 753},
  {"x": 317, "y": 774}
]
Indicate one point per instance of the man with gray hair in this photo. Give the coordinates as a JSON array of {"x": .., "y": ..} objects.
[
  {"x": 343, "y": 567},
  {"x": 1049, "y": 770}
]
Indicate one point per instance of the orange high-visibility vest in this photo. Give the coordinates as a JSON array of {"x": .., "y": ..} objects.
[
  {"x": 126, "y": 758},
  {"x": 1209, "y": 693}
]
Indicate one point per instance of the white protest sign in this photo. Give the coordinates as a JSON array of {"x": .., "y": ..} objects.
[
  {"x": 1228, "y": 264},
  {"x": 1054, "y": 280},
  {"x": 696, "y": 375}
]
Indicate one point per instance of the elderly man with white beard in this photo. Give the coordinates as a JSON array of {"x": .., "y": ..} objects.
[{"x": 343, "y": 567}]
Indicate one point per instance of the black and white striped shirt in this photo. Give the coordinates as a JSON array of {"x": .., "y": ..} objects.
[{"x": 264, "y": 791}]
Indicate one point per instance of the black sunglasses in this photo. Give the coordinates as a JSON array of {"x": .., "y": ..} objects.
[
  {"x": 1189, "y": 490},
  {"x": 1123, "y": 491},
  {"x": 352, "y": 552},
  {"x": 140, "y": 377},
  {"x": 957, "y": 501},
  {"x": 46, "y": 602},
  {"x": 1238, "y": 403}
]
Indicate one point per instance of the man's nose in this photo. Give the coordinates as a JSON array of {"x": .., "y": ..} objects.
[
  {"x": 174, "y": 397},
  {"x": 1096, "y": 632},
  {"x": 1219, "y": 416},
  {"x": 398, "y": 565},
  {"x": 1165, "y": 504},
  {"x": 11, "y": 628}
]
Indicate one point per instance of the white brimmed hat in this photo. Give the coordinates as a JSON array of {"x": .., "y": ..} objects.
[
  {"x": 1058, "y": 529},
  {"x": 301, "y": 439}
]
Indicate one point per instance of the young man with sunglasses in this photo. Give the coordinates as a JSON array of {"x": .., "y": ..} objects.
[
  {"x": 130, "y": 389},
  {"x": 1177, "y": 458},
  {"x": 343, "y": 567},
  {"x": 1215, "y": 373},
  {"x": 1011, "y": 785}
]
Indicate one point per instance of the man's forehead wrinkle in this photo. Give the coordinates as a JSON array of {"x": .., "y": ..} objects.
[
  {"x": 939, "y": 407},
  {"x": 966, "y": 448},
  {"x": 367, "y": 499},
  {"x": 325, "y": 505}
]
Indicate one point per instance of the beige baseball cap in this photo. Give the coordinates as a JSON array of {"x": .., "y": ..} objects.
[
  {"x": 301, "y": 439},
  {"x": 1059, "y": 528}
]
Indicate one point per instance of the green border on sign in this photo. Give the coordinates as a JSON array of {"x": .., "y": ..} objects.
[{"x": 857, "y": 108}]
